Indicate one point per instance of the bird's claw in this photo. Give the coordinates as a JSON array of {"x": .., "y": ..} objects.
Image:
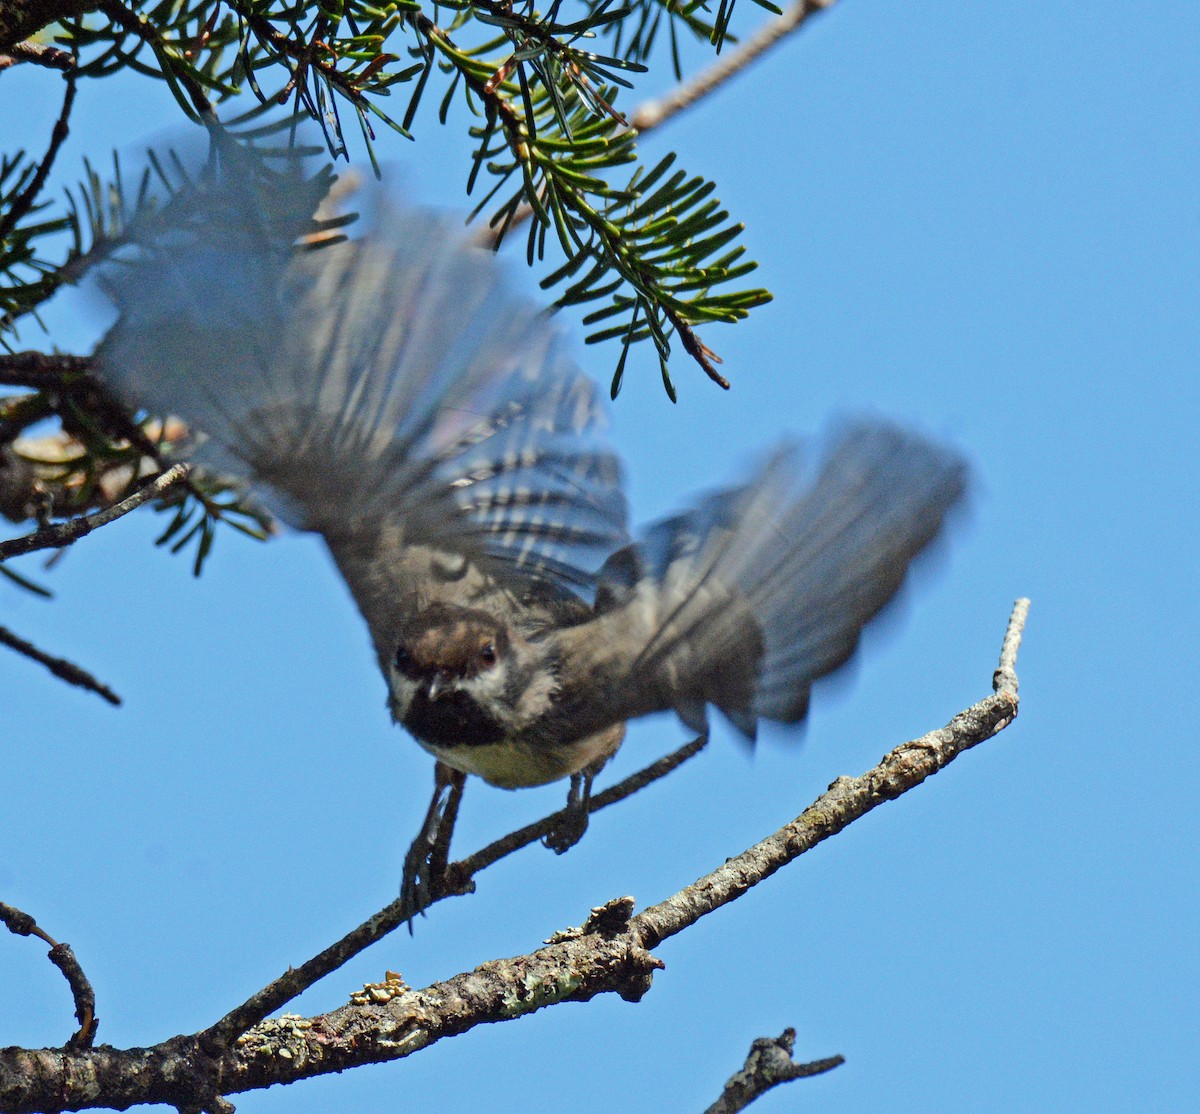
[{"x": 573, "y": 820}]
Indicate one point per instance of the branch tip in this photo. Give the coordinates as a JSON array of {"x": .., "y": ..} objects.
[
  {"x": 63, "y": 669},
  {"x": 768, "y": 1064},
  {"x": 1004, "y": 680}
]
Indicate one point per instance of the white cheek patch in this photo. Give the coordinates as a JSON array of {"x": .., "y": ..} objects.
[
  {"x": 402, "y": 692},
  {"x": 489, "y": 686}
]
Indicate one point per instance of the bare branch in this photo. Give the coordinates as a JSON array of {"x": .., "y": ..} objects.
[
  {"x": 768, "y": 1064},
  {"x": 65, "y": 533},
  {"x": 1005, "y": 677},
  {"x": 61, "y": 668},
  {"x": 40, "y": 55},
  {"x": 388, "y": 1021},
  {"x": 61, "y": 955},
  {"x": 531, "y": 833},
  {"x": 847, "y": 800},
  {"x": 653, "y": 113}
]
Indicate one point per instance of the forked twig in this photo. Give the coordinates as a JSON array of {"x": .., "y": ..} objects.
[{"x": 298, "y": 979}]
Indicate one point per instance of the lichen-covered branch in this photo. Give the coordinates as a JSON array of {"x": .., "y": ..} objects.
[
  {"x": 848, "y": 799},
  {"x": 459, "y": 880}
]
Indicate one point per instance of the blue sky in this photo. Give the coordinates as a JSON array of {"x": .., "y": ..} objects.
[{"x": 979, "y": 219}]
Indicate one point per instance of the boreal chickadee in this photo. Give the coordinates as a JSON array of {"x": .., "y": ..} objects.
[{"x": 392, "y": 394}]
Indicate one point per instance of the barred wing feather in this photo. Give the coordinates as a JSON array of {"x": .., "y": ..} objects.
[{"x": 392, "y": 376}]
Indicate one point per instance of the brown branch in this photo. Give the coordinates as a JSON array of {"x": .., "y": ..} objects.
[
  {"x": 66, "y": 533},
  {"x": 19, "y": 19},
  {"x": 61, "y": 955},
  {"x": 40, "y": 55},
  {"x": 65, "y": 670},
  {"x": 696, "y": 348},
  {"x": 388, "y": 1021},
  {"x": 28, "y": 195},
  {"x": 655, "y": 112},
  {"x": 768, "y": 1064},
  {"x": 532, "y": 833}
]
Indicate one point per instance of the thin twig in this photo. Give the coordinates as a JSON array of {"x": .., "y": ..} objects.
[
  {"x": 768, "y": 1064},
  {"x": 28, "y": 195},
  {"x": 298, "y": 979},
  {"x": 848, "y": 799},
  {"x": 1005, "y": 677},
  {"x": 66, "y": 533},
  {"x": 60, "y": 667},
  {"x": 531, "y": 833},
  {"x": 655, "y": 112},
  {"x": 63, "y": 957},
  {"x": 612, "y": 952},
  {"x": 22, "y": 924}
]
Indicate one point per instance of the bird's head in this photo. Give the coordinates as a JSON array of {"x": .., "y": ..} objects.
[
  {"x": 461, "y": 676},
  {"x": 447, "y": 650}
]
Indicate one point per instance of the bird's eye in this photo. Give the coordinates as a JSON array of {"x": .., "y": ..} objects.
[
  {"x": 403, "y": 657},
  {"x": 487, "y": 654}
]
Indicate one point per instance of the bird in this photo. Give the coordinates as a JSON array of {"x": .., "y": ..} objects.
[{"x": 392, "y": 393}]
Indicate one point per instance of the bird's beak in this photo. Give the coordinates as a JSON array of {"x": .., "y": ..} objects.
[{"x": 436, "y": 684}]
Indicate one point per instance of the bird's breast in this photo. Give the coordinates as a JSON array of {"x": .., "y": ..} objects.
[{"x": 518, "y": 762}]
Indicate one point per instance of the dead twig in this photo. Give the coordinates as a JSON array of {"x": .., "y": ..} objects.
[
  {"x": 61, "y": 955},
  {"x": 768, "y": 1064},
  {"x": 61, "y": 668},
  {"x": 298, "y": 979},
  {"x": 610, "y": 954}
]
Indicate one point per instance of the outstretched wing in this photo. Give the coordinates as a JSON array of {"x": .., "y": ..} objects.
[
  {"x": 748, "y": 598},
  {"x": 389, "y": 379}
]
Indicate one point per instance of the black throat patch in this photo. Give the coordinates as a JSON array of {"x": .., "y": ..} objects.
[{"x": 454, "y": 719}]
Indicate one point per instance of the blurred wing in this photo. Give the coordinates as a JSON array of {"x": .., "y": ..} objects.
[
  {"x": 748, "y": 598},
  {"x": 391, "y": 378}
]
